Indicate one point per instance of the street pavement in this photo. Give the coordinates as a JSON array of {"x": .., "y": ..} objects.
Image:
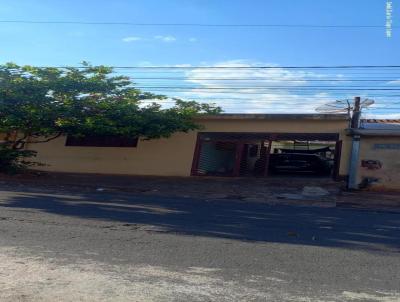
[{"x": 66, "y": 245}]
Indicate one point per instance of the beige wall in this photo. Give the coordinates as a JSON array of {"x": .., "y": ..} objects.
[
  {"x": 156, "y": 157},
  {"x": 389, "y": 175},
  {"x": 172, "y": 156},
  {"x": 2, "y": 136}
]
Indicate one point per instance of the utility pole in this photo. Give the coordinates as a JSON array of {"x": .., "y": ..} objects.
[
  {"x": 355, "y": 146},
  {"x": 355, "y": 119}
]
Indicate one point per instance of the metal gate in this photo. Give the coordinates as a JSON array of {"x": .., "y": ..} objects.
[{"x": 247, "y": 153}]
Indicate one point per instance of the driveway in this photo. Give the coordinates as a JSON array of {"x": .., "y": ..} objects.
[{"x": 66, "y": 245}]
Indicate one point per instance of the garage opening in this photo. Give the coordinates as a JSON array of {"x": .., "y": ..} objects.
[{"x": 267, "y": 154}]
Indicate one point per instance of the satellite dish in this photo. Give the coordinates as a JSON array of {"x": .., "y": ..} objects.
[
  {"x": 329, "y": 109},
  {"x": 338, "y": 106},
  {"x": 367, "y": 102},
  {"x": 342, "y": 106}
]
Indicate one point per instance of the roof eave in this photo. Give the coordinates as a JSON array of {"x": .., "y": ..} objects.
[
  {"x": 373, "y": 132},
  {"x": 274, "y": 116}
]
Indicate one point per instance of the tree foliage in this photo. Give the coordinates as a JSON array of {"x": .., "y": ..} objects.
[
  {"x": 15, "y": 160},
  {"x": 38, "y": 104}
]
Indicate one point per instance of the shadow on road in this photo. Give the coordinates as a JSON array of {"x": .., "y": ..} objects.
[{"x": 226, "y": 219}]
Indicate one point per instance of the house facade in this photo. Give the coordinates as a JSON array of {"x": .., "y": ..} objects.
[
  {"x": 179, "y": 154},
  {"x": 238, "y": 145}
]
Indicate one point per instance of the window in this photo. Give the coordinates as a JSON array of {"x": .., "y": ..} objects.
[
  {"x": 229, "y": 146},
  {"x": 101, "y": 141}
]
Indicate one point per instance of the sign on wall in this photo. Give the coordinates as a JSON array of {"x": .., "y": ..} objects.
[
  {"x": 371, "y": 164},
  {"x": 387, "y": 146}
]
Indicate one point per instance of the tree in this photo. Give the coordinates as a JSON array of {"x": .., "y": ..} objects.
[{"x": 39, "y": 104}]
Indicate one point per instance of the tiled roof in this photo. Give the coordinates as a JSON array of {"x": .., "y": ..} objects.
[
  {"x": 381, "y": 124},
  {"x": 275, "y": 116},
  {"x": 381, "y": 121}
]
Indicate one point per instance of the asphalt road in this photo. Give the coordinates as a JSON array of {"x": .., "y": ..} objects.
[{"x": 105, "y": 246}]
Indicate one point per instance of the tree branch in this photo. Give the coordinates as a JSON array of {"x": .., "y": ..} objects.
[
  {"x": 20, "y": 142},
  {"x": 48, "y": 139}
]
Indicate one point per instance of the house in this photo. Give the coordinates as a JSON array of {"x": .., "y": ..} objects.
[
  {"x": 239, "y": 145},
  {"x": 219, "y": 148},
  {"x": 379, "y": 155}
]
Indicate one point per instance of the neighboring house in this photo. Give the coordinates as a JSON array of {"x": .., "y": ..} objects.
[
  {"x": 379, "y": 158},
  {"x": 241, "y": 145}
]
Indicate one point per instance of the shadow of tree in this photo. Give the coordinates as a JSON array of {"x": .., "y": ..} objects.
[{"x": 238, "y": 220}]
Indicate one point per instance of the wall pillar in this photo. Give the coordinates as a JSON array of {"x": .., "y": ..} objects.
[{"x": 354, "y": 159}]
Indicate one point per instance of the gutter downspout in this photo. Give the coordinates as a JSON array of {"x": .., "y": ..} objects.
[{"x": 355, "y": 146}]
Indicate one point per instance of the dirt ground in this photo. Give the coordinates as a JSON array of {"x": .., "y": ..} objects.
[{"x": 45, "y": 280}]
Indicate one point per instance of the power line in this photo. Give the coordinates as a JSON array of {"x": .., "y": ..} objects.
[
  {"x": 305, "y": 94},
  {"x": 274, "y": 103},
  {"x": 263, "y": 102},
  {"x": 235, "y": 87},
  {"x": 240, "y": 100},
  {"x": 320, "y": 88},
  {"x": 346, "y": 95},
  {"x": 386, "y": 108},
  {"x": 273, "y": 106},
  {"x": 232, "y": 87},
  {"x": 217, "y": 72},
  {"x": 224, "y": 99},
  {"x": 198, "y": 24},
  {"x": 234, "y": 67},
  {"x": 283, "y": 98},
  {"x": 243, "y": 93},
  {"x": 261, "y": 79}
]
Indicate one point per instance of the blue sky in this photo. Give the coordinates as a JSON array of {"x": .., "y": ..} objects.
[{"x": 44, "y": 44}]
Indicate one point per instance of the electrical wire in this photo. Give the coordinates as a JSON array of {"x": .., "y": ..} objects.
[
  {"x": 262, "y": 79},
  {"x": 245, "y": 25},
  {"x": 236, "y": 67},
  {"x": 290, "y": 88}
]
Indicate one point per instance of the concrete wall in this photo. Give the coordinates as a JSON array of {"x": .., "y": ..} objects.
[
  {"x": 172, "y": 156},
  {"x": 388, "y": 175}
]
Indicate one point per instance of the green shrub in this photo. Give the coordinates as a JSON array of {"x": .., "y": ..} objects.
[{"x": 15, "y": 161}]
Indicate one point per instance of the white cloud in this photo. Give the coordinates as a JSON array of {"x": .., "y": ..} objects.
[
  {"x": 166, "y": 39},
  {"x": 395, "y": 82},
  {"x": 131, "y": 39},
  {"x": 181, "y": 65},
  {"x": 255, "y": 90},
  {"x": 161, "y": 38}
]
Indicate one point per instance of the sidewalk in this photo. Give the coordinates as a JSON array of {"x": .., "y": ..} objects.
[
  {"x": 275, "y": 190},
  {"x": 377, "y": 201}
]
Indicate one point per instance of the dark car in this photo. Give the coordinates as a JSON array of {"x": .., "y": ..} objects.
[{"x": 299, "y": 162}]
